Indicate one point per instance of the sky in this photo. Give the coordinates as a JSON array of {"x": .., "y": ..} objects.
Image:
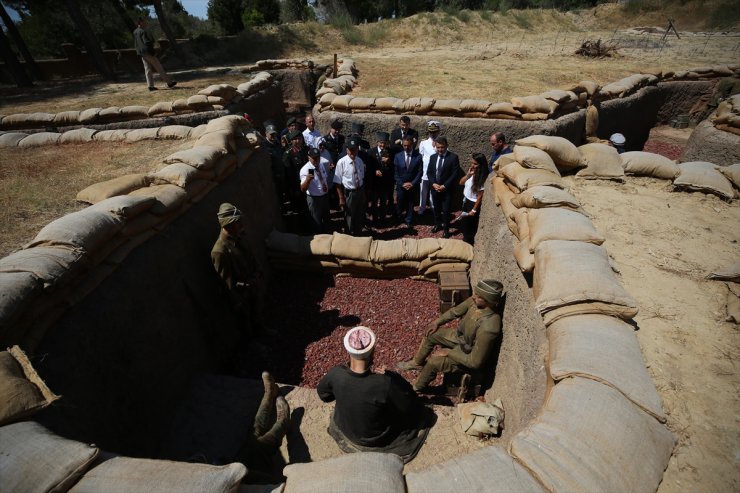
[{"x": 198, "y": 8}]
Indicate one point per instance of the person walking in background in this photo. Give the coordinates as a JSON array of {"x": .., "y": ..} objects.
[
  {"x": 442, "y": 173},
  {"x": 473, "y": 184},
  {"x": 145, "y": 49},
  {"x": 408, "y": 177}
]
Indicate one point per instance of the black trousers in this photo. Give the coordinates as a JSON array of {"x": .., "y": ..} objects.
[
  {"x": 405, "y": 200},
  {"x": 441, "y": 202},
  {"x": 470, "y": 224}
]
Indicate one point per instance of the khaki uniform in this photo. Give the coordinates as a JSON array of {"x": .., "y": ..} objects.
[
  {"x": 235, "y": 263},
  {"x": 469, "y": 345}
]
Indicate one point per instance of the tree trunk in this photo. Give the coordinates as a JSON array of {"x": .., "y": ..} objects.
[
  {"x": 90, "y": 40},
  {"x": 33, "y": 69},
  {"x": 12, "y": 64},
  {"x": 127, "y": 20},
  {"x": 166, "y": 28}
]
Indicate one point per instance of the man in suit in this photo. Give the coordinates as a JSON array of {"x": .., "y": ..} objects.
[
  {"x": 443, "y": 173},
  {"x": 381, "y": 183},
  {"x": 335, "y": 140},
  {"x": 398, "y": 134},
  {"x": 408, "y": 177}
]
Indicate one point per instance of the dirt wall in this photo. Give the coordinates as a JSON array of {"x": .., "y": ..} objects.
[
  {"x": 520, "y": 378},
  {"x": 298, "y": 86},
  {"x": 708, "y": 143},
  {"x": 125, "y": 354}
]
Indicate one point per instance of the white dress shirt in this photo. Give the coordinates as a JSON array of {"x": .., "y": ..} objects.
[
  {"x": 312, "y": 137},
  {"x": 315, "y": 188},
  {"x": 427, "y": 150},
  {"x": 348, "y": 175}
]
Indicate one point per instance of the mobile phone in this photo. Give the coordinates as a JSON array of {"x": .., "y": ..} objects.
[{"x": 311, "y": 171}]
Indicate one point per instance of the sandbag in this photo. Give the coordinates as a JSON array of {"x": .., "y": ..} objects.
[
  {"x": 125, "y": 206},
  {"x": 545, "y": 196},
  {"x": 592, "y": 121},
  {"x": 77, "y": 136},
  {"x": 534, "y": 116},
  {"x": 201, "y": 157},
  {"x": 416, "y": 250},
  {"x": 560, "y": 224},
  {"x": 530, "y": 104},
  {"x": 727, "y": 273},
  {"x": 327, "y": 99},
  {"x": 602, "y": 162},
  {"x": 228, "y": 124},
  {"x": 160, "y": 108},
  {"x": 503, "y": 160},
  {"x": 28, "y": 120},
  {"x": 732, "y": 173},
  {"x": 89, "y": 115},
  {"x": 433, "y": 271},
  {"x": 588, "y": 437},
  {"x": 649, "y": 164},
  {"x": 359, "y": 104},
  {"x": 88, "y": 229},
  {"x": 351, "y": 247},
  {"x": 534, "y": 158},
  {"x": 47, "y": 264},
  {"x": 562, "y": 151},
  {"x": 179, "y": 174},
  {"x": 221, "y": 140},
  {"x": 40, "y": 139},
  {"x": 368, "y": 472},
  {"x": 604, "y": 349},
  {"x": 111, "y": 135},
  {"x": 523, "y": 178},
  {"x": 126, "y": 474},
  {"x": 503, "y": 109},
  {"x": 17, "y": 290},
  {"x": 557, "y": 95},
  {"x": 504, "y": 198},
  {"x": 362, "y": 267},
  {"x": 488, "y": 470},
  {"x": 288, "y": 243},
  {"x": 134, "y": 111},
  {"x": 424, "y": 105},
  {"x": 67, "y": 118},
  {"x": 169, "y": 198},
  {"x": 198, "y": 102},
  {"x": 570, "y": 272},
  {"x": 320, "y": 245},
  {"x": 109, "y": 114},
  {"x": 341, "y": 103},
  {"x": 446, "y": 106},
  {"x": 454, "y": 249},
  {"x": 34, "y": 459},
  {"x": 520, "y": 217},
  {"x": 140, "y": 134},
  {"x": 382, "y": 252},
  {"x": 588, "y": 86},
  {"x": 174, "y": 132},
  {"x": 700, "y": 176},
  {"x": 181, "y": 106},
  {"x": 524, "y": 258},
  {"x": 219, "y": 90},
  {"x": 22, "y": 391},
  {"x": 116, "y": 186},
  {"x": 11, "y": 139}
]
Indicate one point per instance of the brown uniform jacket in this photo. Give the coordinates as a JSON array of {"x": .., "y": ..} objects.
[
  {"x": 235, "y": 263},
  {"x": 478, "y": 329}
]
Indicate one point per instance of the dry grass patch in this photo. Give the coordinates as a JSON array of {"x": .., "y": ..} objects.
[{"x": 39, "y": 185}]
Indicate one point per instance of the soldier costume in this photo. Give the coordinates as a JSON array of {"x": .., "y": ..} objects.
[{"x": 468, "y": 346}]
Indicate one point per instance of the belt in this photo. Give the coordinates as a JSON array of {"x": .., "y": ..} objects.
[{"x": 355, "y": 189}]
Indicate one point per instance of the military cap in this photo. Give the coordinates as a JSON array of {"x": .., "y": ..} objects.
[
  {"x": 336, "y": 125},
  {"x": 294, "y": 134},
  {"x": 382, "y": 136},
  {"x": 490, "y": 290},
  {"x": 358, "y": 128},
  {"x": 434, "y": 126},
  {"x": 227, "y": 214},
  {"x": 313, "y": 152},
  {"x": 353, "y": 143}
]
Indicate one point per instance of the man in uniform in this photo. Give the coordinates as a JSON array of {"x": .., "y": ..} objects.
[
  {"x": 295, "y": 156},
  {"x": 465, "y": 348},
  {"x": 335, "y": 140},
  {"x": 375, "y": 412},
  {"x": 145, "y": 49},
  {"x": 235, "y": 264},
  {"x": 273, "y": 147}
]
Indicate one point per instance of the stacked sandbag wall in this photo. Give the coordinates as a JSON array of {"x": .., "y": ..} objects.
[
  {"x": 717, "y": 139},
  {"x": 122, "y": 298},
  {"x": 365, "y": 257}
]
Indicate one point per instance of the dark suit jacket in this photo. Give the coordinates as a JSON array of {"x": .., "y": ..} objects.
[
  {"x": 413, "y": 174},
  {"x": 450, "y": 170},
  {"x": 396, "y": 134},
  {"x": 334, "y": 145}
]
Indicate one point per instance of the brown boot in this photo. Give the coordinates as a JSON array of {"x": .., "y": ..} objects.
[
  {"x": 265, "y": 416},
  {"x": 273, "y": 438}
]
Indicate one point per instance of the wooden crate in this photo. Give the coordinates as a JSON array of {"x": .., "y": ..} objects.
[{"x": 454, "y": 288}]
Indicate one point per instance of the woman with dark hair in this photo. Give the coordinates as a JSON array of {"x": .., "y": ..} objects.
[{"x": 473, "y": 183}]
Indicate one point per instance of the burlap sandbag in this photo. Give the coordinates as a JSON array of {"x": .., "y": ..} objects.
[
  {"x": 28, "y": 120},
  {"x": 604, "y": 349},
  {"x": 487, "y": 470},
  {"x": 40, "y": 139},
  {"x": 530, "y": 104},
  {"x": 520, "y": 217},
  {"x": 228, "y": 123},
  {"x": 503, "y": 108},
  {"x": 134, "y": 112},
  {"x": 89, "y": 115},
  {"x": 523, "y": 178},
  {"x": 341, "y": 103},
  {"x": 534, "y": 158},
  {"x": 77, "y": 136},
  {"x": 433, "y": 271},
  {"x": 697, "y": 176},
  {"x": 140, "y": 134},
  {"x": 126, "y": 474},
  {"x": 588, "y": 86},
  {"x": 359, "y": 267},
  {"x": 169, "y": 198},
  {"x": 351, "y": 247},
  {"x": 557, "y": 95},
  {"x": 111, "y": 135},
  {"x": 382, "y": 252},
  {"x": 545, "y": 196},
  {"x": 368, "y": 472},
  {"x": 221, "y": 140},
  {"x": 34, "y": 459},
  {"x": 503, "y": 160},
  {"x": 174, "y": 132},
  {"x": 359, "y": 104},
  {"x": 160, "y": 108},
  {"x": 424, "y": 105},
  {"x": 592, "y": 121},
  {"x": 430, "y": 262},
  {"x": 67, "y": 118},
  {"x": 534, "y": 116},
  {"x": 88, "y": 229},
  {"x": 446, "y": 106},
  {"x": 454, "y": 249},
  {"x": 198, "y": 102},
  {"x": 11, "y": 139},
  {"x": 116, "y": 186},
  {"x": 220, "y": 90},
  {"x": 524, "y": 258},
  {"x": 570, "y": 272},
  {"x": 417, "y": 250},
  {"x": 320, "y": 245},
  {"x": 560, "y": 224},
  {"x": 602, "y": 162},
  {"x": 327, "y": 99},
  {"x": 181, "y": 106},
  {"x": 22, "y": 391},
  {"x": 732, "y": 173},
  {"x": 17, "y": 291},
  {"x": 588, "y": 437},
  {"x": 649, "y": 164},
  {"x": 201, "y": 157},
  {"x": 562, "y": 151},
  {"x": 179, "y": 174},
  {"x": 50, "y": 264},
  {"x": 288, "y": 243},
  {"x": 504, "y": 198}
]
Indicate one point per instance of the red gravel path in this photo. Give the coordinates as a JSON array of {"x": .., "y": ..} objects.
[{"x": 669, "y": 150}]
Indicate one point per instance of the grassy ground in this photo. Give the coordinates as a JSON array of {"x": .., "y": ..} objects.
[{"x": 39, "y": 185}]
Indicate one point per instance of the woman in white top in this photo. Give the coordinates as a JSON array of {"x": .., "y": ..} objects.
[{"x": 473, "y": 182}]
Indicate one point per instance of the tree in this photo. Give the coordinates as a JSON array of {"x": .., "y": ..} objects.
[
  {"x": 222, "y": 12},
  {"x": 33, "y": 69},
  {"x": 166, "y": 28},
  {"x": 13, "y": 65},
  {"x": 121, "y": 11},
  {"x": 294, "y": 11},
  {"x": 89, "y": 38},
  {"x": 259, "y": 12}
]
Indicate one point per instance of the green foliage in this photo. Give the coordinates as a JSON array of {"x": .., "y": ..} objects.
[
  {"x": 260, "y": 12},
  {"x": 725, "y": 14},
  {"x": 226, "y": 14},
  {"x": 295, "y": 11}
]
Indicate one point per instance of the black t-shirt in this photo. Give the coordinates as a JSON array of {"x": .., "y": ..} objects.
[{"x": 372, "y": 409}]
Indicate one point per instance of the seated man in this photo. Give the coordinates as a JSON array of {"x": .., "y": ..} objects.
[
  {"x": 375, "y": 412},
  {"x": 465, "y": 348}
]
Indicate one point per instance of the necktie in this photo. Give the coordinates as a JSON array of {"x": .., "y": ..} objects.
[
  {"x": 355, "y": 175},
  {"x": 408, "y": 161},
  {"x": 322, "y": 180},
  {"x": 440, "y": 161}
]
